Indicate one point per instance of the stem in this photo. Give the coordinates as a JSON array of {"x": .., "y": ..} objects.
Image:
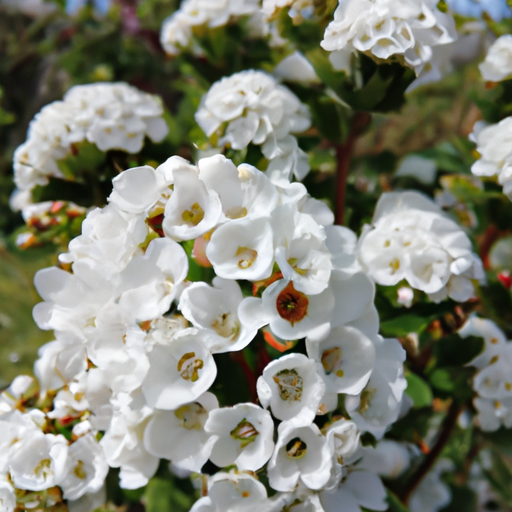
[
  {"x": 344, "y": 152},
  {"x": 446, "y": 432}
]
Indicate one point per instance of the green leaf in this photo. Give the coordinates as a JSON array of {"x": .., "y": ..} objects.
[
  {"x": 395, "y": 505},
  {"x": 463, "y": 500},
  {"x": 164, "y": 495},
  {"x": 419, "y": 391},
  {"x": 457, "y": 351},
  {"x": 405, "y": 324}
]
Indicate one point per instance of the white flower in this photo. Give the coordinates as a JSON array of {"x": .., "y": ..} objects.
[
  {"x": 233, "y": 492},
  {"x": 109, "y": 237},
  {"x": 296, "y": 68},
  {"x": 379, "y": 404},
  {"x": 347, "y": 359},
  {"x": 492, "y": 414},
  {"x": 388, "y": 459},
  {"x": 123, "y": 441},
  {"x": 244, "y": 436},
  {"x": 179, "y": 372},
  {"x": 180, "y": 435},
  {"x": 493, "y": 146},
  {"x": 300, "y": 251},
  {"x": 216, "y": 310},
  {"x": 290, "y": 313},
  {"x": 177, "y": 29},
  {"x": 39, "y": 461},
  {"x": 360, "y": 489},
  {"x": 192, "y": 209},
  {"x": 432, "y": 494},
  {"x": 402, "y": 30},
  {"x": 89, "y": 501},
  {"x": 87, "y": 468},
  {"x": 109, "y": 115},
  {"x": 242, "y": 249},
  {"x": 7, "y": 497},
  {"x": 405, "y": 296},
  {"x": 301, "y": 454},
  {"x": 497, "y": 65},
  {"x": 292, "y": 387},
  {"x": 257, "y": 110},
  {"x": 412, "y": 239},
  {"x": 494, "y": 339}
]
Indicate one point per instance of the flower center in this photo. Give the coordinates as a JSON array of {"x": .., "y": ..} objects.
[
  {"x": 79, "y": 471},
  {"x": 189, "y": 366},
  {"x": 192, "y": 416},
  {"x": 43, "y": 469},
  {"x": 193, "y": 216},
  {"x": 245, "y": 433},
  {"x": 292, "y": 305},
  {"x": 332, "y": 358},
  {"x": 247, "y": 257},
  {"x": 225, "y": 326},
  {"x": 290, "y": 385},
  {"x": 365, "y": 400},
  {"x": 296, "y": 448}
]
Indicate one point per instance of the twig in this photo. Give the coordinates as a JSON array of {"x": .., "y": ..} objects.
[
  {"x": 250, "y": 377},
  {"x": 430, "y": 460},
  {"x": 344, "y": 152}
]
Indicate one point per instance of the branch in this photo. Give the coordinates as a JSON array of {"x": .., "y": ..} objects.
[
  {"x": 446, "y": 432},
  {"x": 344, "y": 152}
]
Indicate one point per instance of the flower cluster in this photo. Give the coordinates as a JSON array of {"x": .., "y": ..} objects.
[
  {"x": 111, "y": 116},
  {"x": 136, "y": 343},
  {"x": 497, "y": 65},
  {"x": 411, "y": 238},
  {"x": 251, "y": 107},
  {"x": 493, "y": 148},
  {"x": 178, "y": 29},
  {"x": 298, "y": 9},
  {"x": 404, "y": 30},
  {"x": 493, "y": 381}
]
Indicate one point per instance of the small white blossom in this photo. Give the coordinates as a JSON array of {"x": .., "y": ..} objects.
[
  {"x": 179, "y": 372},
  {"x": 243, "y": 436},
  {"x": 347, "y": 358},
  {"x": 379, "y": 404},
  {"x": 301, "y": 454},
  {"x": 432, "y": 494},
  {"x": 180, "y": 435},
  {"x": 216, "y": 310},
  {"x": 497, "y": 65},
  {"x": 493, "y": 147},
  {"x": 292, "y": 387},
  {"x": 87, "y": 468}
]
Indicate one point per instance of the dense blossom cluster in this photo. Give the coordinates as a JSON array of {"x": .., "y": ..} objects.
[
  {"x": 386, "y": 30},
  {"x": 493, "y": 381},
  {"x": 130, "y": 364},
  {"x": 111, "y": 116},
  {"x": 177, "y": 30},
  {"x": 251, "y": 107},
  {"x": 411, "y": 238}
]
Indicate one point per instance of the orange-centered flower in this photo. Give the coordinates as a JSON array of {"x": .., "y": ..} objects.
[{"x": 292, "y": 305}]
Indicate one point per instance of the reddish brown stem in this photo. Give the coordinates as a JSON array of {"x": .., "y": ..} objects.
[
  {"x": 344, "y": 152},
  {"x": 428, "y": 463}
]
